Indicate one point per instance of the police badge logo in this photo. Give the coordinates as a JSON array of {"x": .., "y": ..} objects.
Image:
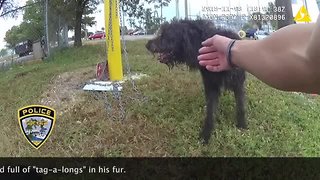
[{"x": 36, "y": 123}]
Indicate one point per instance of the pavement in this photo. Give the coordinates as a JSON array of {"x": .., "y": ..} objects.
[
  {"x": 137, "y": 37},
  {"x": 126, "y": 38},
  {"x": 15, "y": 60}
]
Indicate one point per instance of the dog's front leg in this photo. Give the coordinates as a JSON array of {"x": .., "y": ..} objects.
[
  {"x": 239, "y": 94},
  {"x": 212, "y": 97}
]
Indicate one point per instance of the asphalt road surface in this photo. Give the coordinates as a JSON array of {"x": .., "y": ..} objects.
[
  {"x": 24, "y": 58},
  {"x": 126, "y": 38},
  {"x": 137, "y": 37}
]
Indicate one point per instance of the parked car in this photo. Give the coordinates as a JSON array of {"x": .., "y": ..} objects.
[
  {"x": 24, "y": 48},
  {"x": 250, "y": 33},
  {"x": 97, "y": 35},
  {"x": 140, "y": 32},
  {"x": 260, "y": 34},
  {"x": 130, "y": 32}
]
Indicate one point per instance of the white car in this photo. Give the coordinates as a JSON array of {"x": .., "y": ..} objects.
[
  {"x": 140, "y": 32},
  {"x": 260, "y": 35}
]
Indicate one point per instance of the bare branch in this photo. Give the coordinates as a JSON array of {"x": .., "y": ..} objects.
[{"x": 17, "y": 9}]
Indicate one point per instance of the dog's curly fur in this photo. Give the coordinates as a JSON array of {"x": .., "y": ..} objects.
[{"x": 178, "y": 42}]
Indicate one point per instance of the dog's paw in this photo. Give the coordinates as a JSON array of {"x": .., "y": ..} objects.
[
  {"x": 204, "y": 138},
  {"x": 242, "y": 126}
]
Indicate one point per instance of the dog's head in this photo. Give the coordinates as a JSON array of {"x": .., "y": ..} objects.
[{"x": 178, "y": 42}]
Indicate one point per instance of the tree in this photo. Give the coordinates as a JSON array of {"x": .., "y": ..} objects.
[
  {"x": 30, "y": 29},
  {"x": 7, "y": 6},
  {"x": 62, "y": 17},
  {"x": 33, "y": 21},
  {"x": 137, "y": 13},
  {"x": 82, "y": 7},
  {"x": 152, "y": 23},
  {"x": 247, "y": 26},
  {"x": 10, "y": 8},
  {"x": 257, "y": 19},
  {"x": 284, "y": 9},
  {"x": 272, "y": 13},
  {"x": 13, "y": 36},
  {"x": 3, "y": 52}
]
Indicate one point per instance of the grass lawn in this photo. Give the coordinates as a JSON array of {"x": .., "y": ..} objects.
[{"x": 166, "y": 124}]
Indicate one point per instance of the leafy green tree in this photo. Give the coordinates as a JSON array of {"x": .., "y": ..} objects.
[
  {"x": 138, "y": 14},
  {"x": 152, "y": 22},
  {"x": 3, "y": 52},
  {"x": 13, "y": 36},
  {"x": 81, "y": 7},
  {"x": 31, "y": 28},
  {"x": 33, "y": 20}
]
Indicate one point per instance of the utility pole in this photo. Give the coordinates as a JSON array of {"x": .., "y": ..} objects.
[
  {"x": 161, "y": 10},
  {"x": 177, "y": 9},
  {"x": 306, "y": 5},
  {"x": 186, "y": 9},
  {"x": 47, "y": 29}
]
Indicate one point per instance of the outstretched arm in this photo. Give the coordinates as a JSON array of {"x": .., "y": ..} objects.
[
  {"x": 283, "y": 60},
  {"x": 289, "y": 59}
]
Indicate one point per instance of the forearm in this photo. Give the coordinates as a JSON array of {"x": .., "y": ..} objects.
[
  {"x": 313, "y": 53},
  {"x": 279, "y": 60}
]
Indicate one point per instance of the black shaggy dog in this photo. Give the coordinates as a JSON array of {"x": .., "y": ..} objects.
[{"x": 178, "y": 42}]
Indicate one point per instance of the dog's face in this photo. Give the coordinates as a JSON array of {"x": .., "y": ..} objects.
[{"x": 168, "y": 43}]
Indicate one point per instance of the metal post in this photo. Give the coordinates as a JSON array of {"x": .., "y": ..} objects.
[
  {"x": 113, "y": 40},
  {"x": 161, "y": 10},
  {"x": 306, "y": 9},
  {"x": 47, "y": 30},
  {"x": 306, "y": 5},
  {"x": 186, "y": 9},
  {"x": 177, "y": 9}
]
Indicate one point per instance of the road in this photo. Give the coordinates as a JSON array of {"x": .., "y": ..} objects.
[
  {"x": 126, "y": 38},
  {"x": 18, "y": 60},
  {"x": 139, "y": 37}
]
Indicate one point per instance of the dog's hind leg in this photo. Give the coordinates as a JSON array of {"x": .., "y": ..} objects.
[
  {"x": 239, "y": 94},
  {"x": 212, "y": 93}
]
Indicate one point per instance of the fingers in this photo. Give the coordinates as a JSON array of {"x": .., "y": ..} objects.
[
  {"x": 208, "y": 56},
  {"x": 214, "y": 68},
  {"x": 213, "y": 54},
  {"x": 213, "y": 62},
  {"x": 207, "y": 49},
  {"x": 208, "y": 42}
]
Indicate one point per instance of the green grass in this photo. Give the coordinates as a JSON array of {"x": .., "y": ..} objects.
[{"x": 167, "y": 124}]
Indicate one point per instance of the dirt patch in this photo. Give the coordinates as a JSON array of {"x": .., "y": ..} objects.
[
  {"x": 88, "y": 130},
  {"x": 66, "y": 89}
]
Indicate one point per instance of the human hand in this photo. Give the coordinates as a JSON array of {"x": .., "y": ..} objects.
[{"x": 214, "y": 53}]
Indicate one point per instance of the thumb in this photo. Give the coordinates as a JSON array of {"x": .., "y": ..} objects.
[
  {"x": 207, "y": 42},
  {"x": 210, "y": 41}
]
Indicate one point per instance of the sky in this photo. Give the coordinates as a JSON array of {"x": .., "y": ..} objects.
[{"x": 194, "y": 8}]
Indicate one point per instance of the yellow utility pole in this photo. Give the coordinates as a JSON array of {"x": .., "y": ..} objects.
[{"x": 112, "y": 24}]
